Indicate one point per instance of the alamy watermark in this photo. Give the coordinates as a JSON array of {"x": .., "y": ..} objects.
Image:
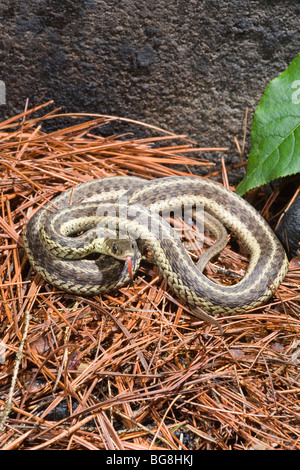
[
  {"x": 296, "y": 93},
  {"x": 122, "y": 220},
  {"x": 2, "y": 92}
]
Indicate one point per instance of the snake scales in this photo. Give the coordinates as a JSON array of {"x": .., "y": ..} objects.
[{"x": 55, "y": 222}]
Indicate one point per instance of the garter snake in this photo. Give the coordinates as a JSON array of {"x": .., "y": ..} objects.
[{"x": 49, "y": 242}]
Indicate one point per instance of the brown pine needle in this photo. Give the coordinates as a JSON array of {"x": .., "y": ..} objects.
[{"x": 131, "y": 370}]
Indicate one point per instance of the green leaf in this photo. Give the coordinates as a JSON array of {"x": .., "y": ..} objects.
[{"x": 275, "y": 133}]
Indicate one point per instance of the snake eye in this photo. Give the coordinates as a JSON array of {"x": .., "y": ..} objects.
[{"x": 114, "y": 248}]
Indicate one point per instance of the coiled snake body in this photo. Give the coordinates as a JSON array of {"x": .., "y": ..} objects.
[{"x": 49, "y": 245}]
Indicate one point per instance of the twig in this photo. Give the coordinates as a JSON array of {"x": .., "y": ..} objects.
[{"x": 19, "y": 357}]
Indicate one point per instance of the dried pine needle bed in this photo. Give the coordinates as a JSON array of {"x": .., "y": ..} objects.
[{"x": 131, "y": 371}]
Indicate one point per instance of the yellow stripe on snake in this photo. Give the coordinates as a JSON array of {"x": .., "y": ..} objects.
[{"x": 127, "y": 204}]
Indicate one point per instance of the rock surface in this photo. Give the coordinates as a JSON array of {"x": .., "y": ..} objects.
[{"x": 189, "y": 66}]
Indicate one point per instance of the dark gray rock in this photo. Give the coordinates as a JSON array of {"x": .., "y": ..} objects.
[
  {"x": 288, "y": 231},
  {"x": 189, "y": 66}
]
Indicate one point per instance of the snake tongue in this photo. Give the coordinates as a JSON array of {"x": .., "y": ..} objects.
[{"x": 130, "y": 270}]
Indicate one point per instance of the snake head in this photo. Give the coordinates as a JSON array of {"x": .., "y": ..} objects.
[{"x": 122, "y": 249}]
